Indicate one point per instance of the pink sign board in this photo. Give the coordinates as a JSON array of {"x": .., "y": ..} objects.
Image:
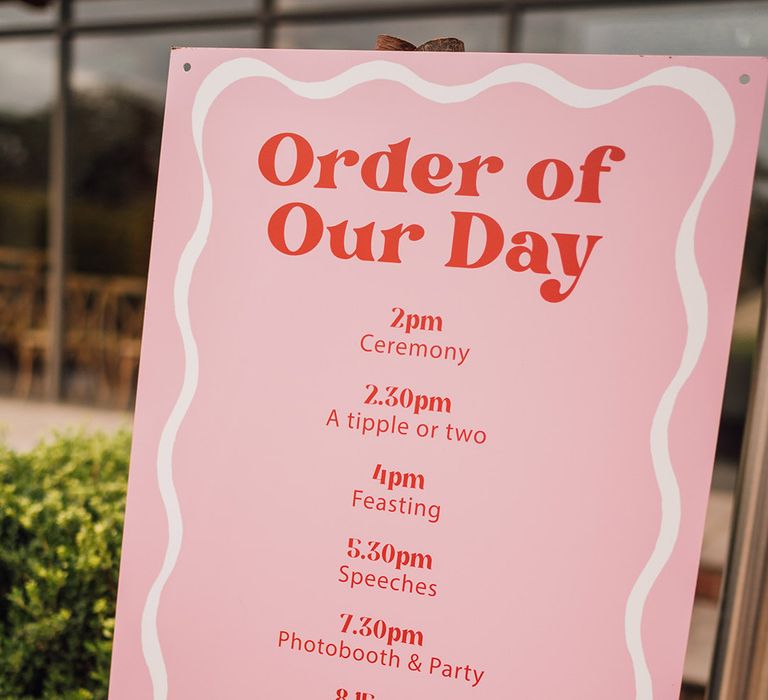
[{"x": 432, "y": 369}]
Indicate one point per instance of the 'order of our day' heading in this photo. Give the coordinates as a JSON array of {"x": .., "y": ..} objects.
[{"x": 385, "y": 171}]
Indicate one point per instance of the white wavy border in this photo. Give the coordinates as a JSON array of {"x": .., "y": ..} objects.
[{"x": 700, "y": 86}]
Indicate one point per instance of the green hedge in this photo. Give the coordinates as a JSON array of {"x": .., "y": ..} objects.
[{"x": 61, "y": 521}]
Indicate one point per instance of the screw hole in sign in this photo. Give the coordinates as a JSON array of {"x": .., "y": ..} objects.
[
  {"x": 188, "y": 67},
  {"x": 744, "y": 79}
]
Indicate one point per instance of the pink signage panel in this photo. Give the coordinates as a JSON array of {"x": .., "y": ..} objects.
[{"x": 431, "y": 374}]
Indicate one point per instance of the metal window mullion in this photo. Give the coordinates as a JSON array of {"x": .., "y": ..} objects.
[
  {"x": 267, "y": 23},
  {"x": 26, "y": 32},
  {"x": 513, "y": 19},
  {"x": 58, "y": 205},
  {"x": 167, "y": 24}
]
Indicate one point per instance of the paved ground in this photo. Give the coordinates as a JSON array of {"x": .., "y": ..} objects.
[{"x": 23, "y": 423}]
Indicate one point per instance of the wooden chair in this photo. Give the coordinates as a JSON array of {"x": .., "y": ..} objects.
[
  {"x": 122, "y": 335},
  {"x": 103, "y": 319},
  {"x": 22, "y": 281},
  {"x": 84, "y": 315},
  {"x": 21, "y": 271}
]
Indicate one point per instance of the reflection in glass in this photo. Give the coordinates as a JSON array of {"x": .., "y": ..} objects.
[
  {"x": 17, "y": 14},
  {"x": 119, "y": 90},
  {"x": 479, "y": 32},
  {"x": 119, "y": 87},
  {"x": 144, "y": 9},
  {"x": 26, "y": 91},
  {"x": 721, "y": 28}
]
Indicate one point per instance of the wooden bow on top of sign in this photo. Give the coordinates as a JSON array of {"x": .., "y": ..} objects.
[{"x": 384, "y": 42}]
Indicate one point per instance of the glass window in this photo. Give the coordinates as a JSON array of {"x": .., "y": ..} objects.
[
  {"x": 119, "y": 89},
  {"x": 141, "y": 9},
  {"x": 479, "y": 32},
  {"x": 17, "y": 14},
  {"x": 26, "y": 92},
  {"x": 721, "y": 28},
  {"x": 138, "y": 63}
]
